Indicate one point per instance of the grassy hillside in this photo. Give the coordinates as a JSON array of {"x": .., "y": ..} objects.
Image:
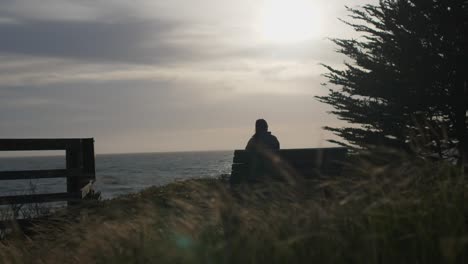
[{"x": 383, "y": 210}]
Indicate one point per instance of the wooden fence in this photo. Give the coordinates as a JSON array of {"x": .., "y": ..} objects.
[{"x": 79, "y": 171}]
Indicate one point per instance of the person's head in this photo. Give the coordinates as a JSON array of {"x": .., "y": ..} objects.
[{"x": 261, "y": 126}]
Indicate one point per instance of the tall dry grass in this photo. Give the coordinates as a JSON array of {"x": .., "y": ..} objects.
[{"x": 385, "y": 208}]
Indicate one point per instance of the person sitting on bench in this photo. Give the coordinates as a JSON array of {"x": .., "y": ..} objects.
[{"x": 262, "y": 139}]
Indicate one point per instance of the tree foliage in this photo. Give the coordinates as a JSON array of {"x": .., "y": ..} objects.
[{"x": 405, "y": 83}]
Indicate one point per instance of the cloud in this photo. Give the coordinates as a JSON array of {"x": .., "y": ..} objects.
[
  {"x": 157, "y": 75},
  {"x": 117, "y": 111},
  {"x": 67, "y": 10},
  {"x": 149, "y": 41},
  {"x": 142, "y": 31},
  {"x": 138, "y": 41}
]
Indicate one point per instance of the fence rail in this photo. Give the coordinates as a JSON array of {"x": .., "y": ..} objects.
[
  {"x": 41, "y": 144},
  {"x": 40, "y": 198}
]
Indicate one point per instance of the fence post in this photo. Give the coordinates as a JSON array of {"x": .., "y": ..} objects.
[
  {"x": 74, "y": 166},
  {"x": 89, "y": 170}
]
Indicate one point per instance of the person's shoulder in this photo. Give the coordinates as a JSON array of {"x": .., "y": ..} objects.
[
  {"x": 275, "y": 140},
  {"x": 273, "y": 136},
  {"x": 251, "y": 143}
]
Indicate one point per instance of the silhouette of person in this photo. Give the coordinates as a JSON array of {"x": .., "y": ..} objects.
[{"x": 262, "y": 139}]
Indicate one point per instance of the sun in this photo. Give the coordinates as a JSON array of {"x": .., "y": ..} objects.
[{"x": 289, "y": 21}]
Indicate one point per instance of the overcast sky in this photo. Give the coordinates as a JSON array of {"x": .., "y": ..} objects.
[{"x": 148, "y": 75}]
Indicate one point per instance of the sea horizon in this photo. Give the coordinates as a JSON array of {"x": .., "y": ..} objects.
[
  {"x": 121, "y": 173},
  {"x": 39, "y": 153}
]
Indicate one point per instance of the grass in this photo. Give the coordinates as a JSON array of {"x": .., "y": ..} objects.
[{"x": 385, "y": 209}]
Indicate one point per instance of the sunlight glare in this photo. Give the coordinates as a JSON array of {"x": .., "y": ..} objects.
[{"x": 289, "y": 21}]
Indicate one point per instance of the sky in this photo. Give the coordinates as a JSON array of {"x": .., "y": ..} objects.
[{"x": 151, "y": 76}]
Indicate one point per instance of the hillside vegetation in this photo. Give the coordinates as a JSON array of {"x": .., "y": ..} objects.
[{"x": 391, "y": 209}]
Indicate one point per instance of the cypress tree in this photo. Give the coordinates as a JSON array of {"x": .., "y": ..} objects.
[{"x": 404, "y": 84}]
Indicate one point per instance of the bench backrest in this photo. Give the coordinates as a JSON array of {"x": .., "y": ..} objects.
[{"x": 302, "y": 162}]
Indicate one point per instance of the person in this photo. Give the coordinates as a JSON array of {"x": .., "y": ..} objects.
[{"x": 262, "y": 139}]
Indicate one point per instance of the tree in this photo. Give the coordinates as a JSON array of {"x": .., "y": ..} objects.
[{"x": 405, "y": 85}]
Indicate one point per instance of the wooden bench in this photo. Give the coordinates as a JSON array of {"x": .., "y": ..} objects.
[{"x": 249, "y": 166}]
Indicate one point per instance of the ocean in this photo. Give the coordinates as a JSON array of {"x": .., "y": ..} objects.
[{"x": 118, "y": 174}]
